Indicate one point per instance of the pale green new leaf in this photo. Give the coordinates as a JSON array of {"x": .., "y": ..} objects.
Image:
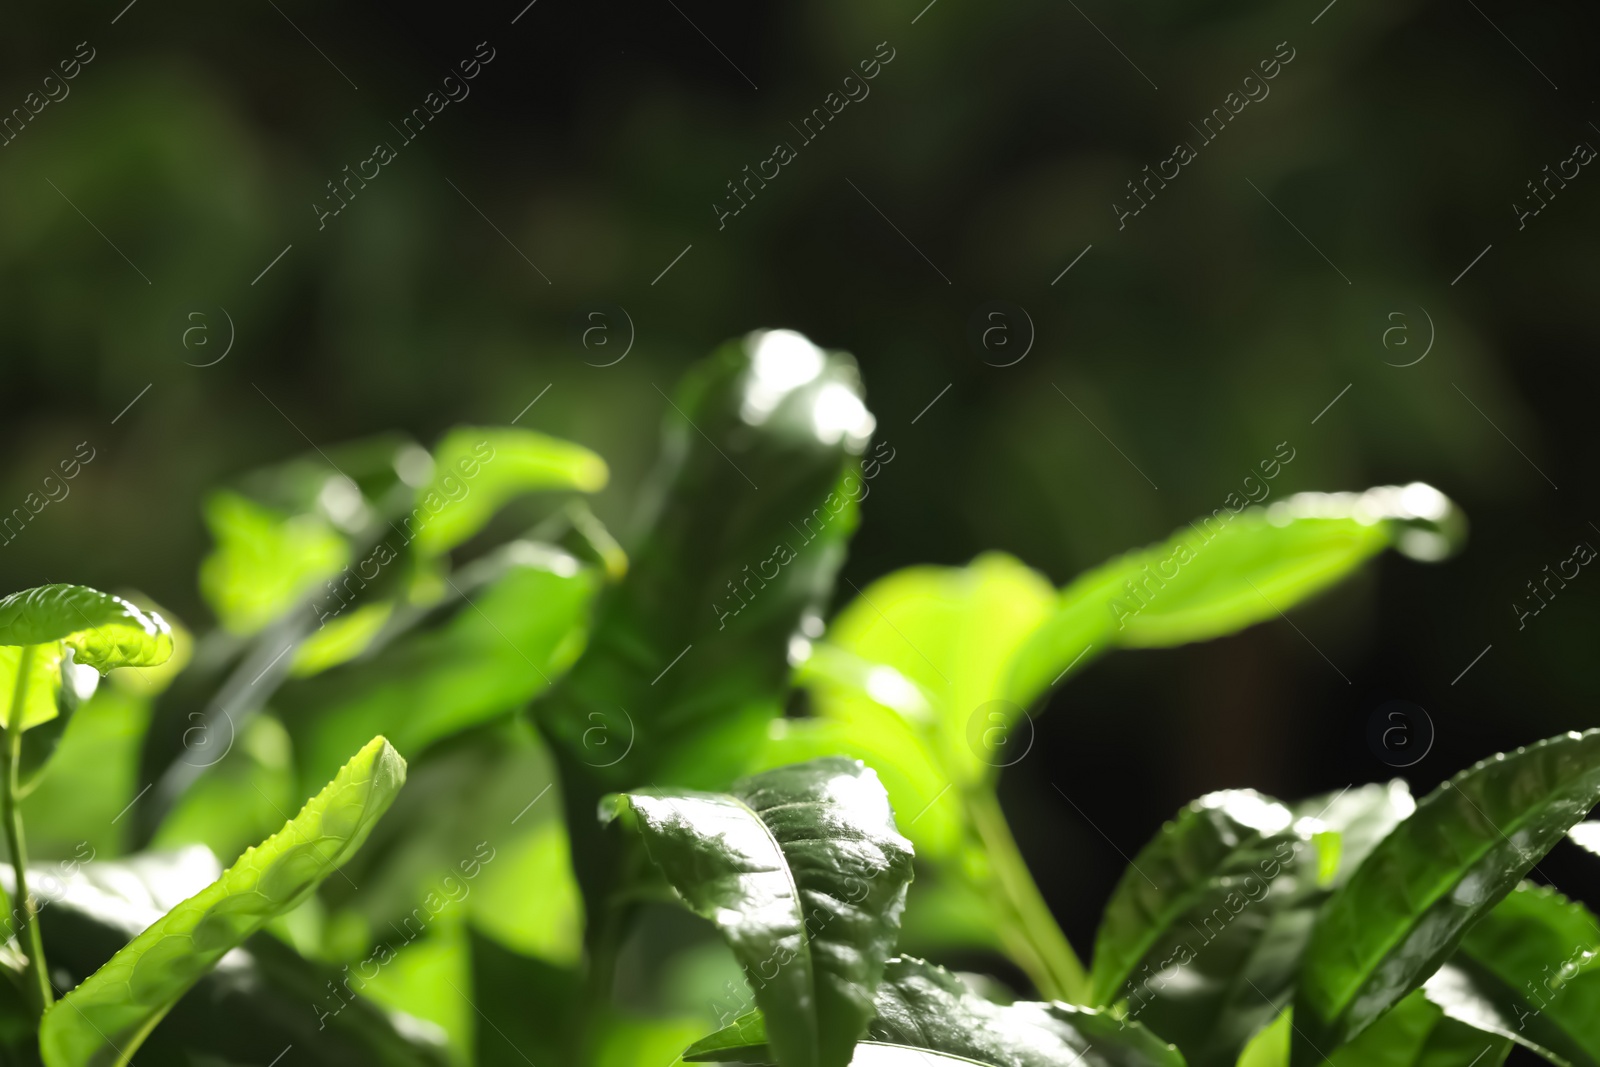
[
  {"x": 874, "y": 713},
  {"x": 40, "y": 690},
  {"x": 104, "y": 1020},
  {"x": 478, "y": 470},
  {"x": 950, "y": 632},
  {"x": 1404, "y": 911},
  {"x": 264, "y": 560},
  {"x": 1227, "y": 571},
  {"x": 67, "y": 689},
  {"x": 803, "y": 872}
]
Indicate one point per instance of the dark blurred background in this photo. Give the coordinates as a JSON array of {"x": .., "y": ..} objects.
[{"x": 165, "y": 206}]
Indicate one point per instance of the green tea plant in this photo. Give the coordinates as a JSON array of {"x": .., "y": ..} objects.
[{"x": 594, "y": 737}]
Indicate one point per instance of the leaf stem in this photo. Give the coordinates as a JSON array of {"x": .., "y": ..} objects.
[
  {"x": 1030, "y": 933},
  {"x": 37, "y": 986}
]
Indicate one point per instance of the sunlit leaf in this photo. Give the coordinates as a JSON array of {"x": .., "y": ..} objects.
[
  {"x": 340, "y": 639},
  {"x": 39, "y": 690},
  {"x": 951, "y": 633},
  {"x": 258, "y": 998},
  {"x": 105, "y": 631},
  {"x": 628, "y": 1042},
  {"x": 802, "y": 871},
  {"x": 428, "y": 978},
  {"x": 449, "y": 848},
  {"x": 110, "y": 1013},
  {"x": 873, "y": 713},
  {"x": 547, "y": 924},
  {"x": 1230, "y": 570},
  {"x": 503, "y": 643},
  {"x": 264, "y": 561},
  {"x": 91, "y": 779},
  {"x": 477, "y": 470}
]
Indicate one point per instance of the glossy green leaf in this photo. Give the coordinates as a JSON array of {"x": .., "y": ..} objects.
[
  {"x": 758, "y": 500},
  {"x": 803, "y": 872},
  {"x": 264, "y": 561},
  {"x": 1404, "y": 911},
  {"x": 1229, "y": 570},
  {"x": 1529, "y": 971},
  {"x": 687, "y": 664},
  {"x": 478, "y": 470},
  {"x": 1414, "y": 1033},
  {"x": 744, "y": 1041},
  {"x": 1221, "y": 855},
  {"x": 1193, "y": 916},
  {"x": 106, "y": 1018},
  {"x": 1224, "y": 958},
  {"x": 104, "y": 631},
  {"x": 924, "y": 1008}
]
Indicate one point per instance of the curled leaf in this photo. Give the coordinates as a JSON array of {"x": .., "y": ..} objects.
[
  {"x": 104, "y": 631},
  {"x": 107, "y": 1017}
]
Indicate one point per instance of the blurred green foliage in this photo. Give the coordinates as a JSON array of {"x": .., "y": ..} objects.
[{"x": 997, "y": 140}]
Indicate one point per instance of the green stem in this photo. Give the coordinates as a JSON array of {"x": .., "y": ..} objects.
[
  {"x": 37, "y": 984},
  {"x": 1030, "y": 933}
]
